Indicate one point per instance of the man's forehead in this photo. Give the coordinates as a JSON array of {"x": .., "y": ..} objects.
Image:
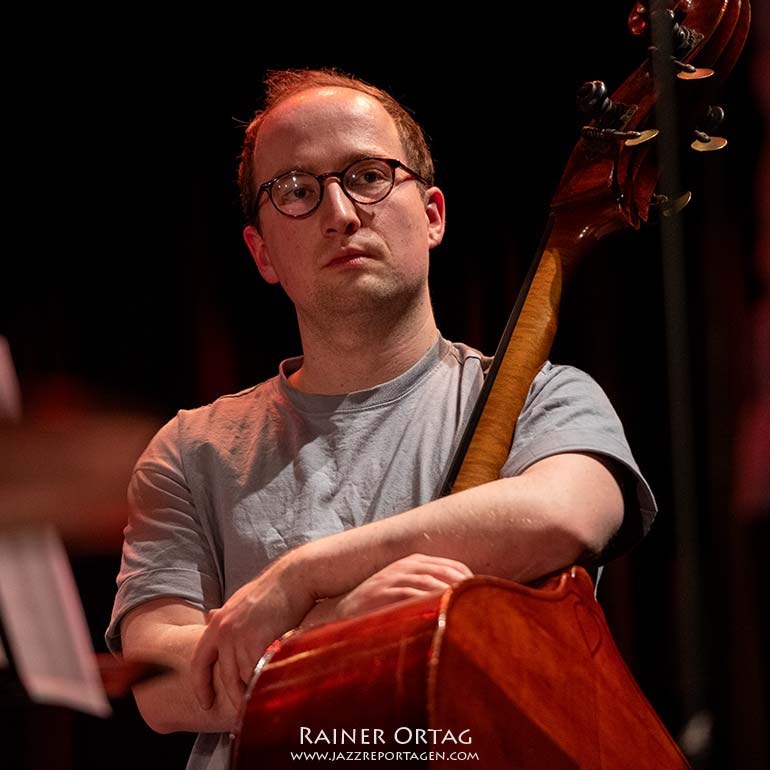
[
  {"x": 327, "y": 93},
  {"x": 326, "y": 119},
  {"x": 326, "y": 99}
]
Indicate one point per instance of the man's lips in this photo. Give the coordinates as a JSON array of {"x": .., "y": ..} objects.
[{"x": 348, "y": 257}]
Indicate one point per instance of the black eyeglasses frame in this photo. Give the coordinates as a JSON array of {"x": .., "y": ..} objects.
[{"x": 340, "y": 176}]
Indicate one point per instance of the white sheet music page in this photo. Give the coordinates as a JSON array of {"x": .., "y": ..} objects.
[
  {"x": 45, "y": 624},
  {"x": 40, "y": 606}
]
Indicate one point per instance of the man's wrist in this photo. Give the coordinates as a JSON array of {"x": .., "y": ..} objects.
[
  {"x": 324, "y": 611},
  {"x": 295, "y": 575}
]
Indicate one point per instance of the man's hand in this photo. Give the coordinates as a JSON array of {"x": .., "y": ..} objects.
[
  {"x": 238, "y": 633},
  {"x": 261, "y": 611},
  {"x": 412, "y": 577}
]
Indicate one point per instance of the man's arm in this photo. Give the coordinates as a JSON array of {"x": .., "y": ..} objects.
[
  {"x": 166, "y": 631},
  {"x": 559, "y": 511}
]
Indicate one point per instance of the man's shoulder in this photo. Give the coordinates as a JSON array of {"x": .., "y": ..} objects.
[
  {"x": 550, "y": 378},
  {"x": 233, "y": 403},
  {"x": 228, "y": 415},
  {"x": 563, "y": 379},
  {"x": 549, "y": 375}
]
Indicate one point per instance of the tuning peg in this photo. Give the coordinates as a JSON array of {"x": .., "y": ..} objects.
[
  {"x": 684, "y": 40},
  {"x": 663, "y": 206},
  {"x": 689, "y": 72},
  {"x": 641, "y": 137},
  {"x": 704, "y": 142},
  {"x": 684, "y": 71},
  {"x": 610, "y": 117},
  {"x": 593, "y": 100}
]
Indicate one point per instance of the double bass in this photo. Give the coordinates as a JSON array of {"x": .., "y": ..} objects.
[{"x": 494, "y": 672}]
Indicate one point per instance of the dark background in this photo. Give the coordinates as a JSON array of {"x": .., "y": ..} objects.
[{"x": 128, "y": 284}]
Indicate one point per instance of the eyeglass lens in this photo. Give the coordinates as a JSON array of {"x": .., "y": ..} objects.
[{"x": 367, "y": 181}]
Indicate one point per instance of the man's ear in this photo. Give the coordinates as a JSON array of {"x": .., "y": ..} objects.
[
  {"x": 259, "y": 252},
  {"x": 435, "y": 210}
]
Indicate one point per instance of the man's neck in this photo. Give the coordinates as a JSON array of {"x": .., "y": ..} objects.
[{"x": 354, "y": 357}]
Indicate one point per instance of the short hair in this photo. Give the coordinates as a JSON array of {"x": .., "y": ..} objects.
[{"x": 282, "y": 84}]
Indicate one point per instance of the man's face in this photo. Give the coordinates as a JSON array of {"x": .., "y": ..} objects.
[{"x": 345, "y": 257}]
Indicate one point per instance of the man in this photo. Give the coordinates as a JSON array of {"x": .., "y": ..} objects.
[{"x": 308, "y": 498}]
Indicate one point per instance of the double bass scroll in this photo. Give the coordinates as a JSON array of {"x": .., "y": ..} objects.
[{"x": 608, "y": 185}]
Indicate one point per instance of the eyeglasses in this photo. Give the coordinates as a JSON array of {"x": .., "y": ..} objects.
[{"x": 367, "y": 181}]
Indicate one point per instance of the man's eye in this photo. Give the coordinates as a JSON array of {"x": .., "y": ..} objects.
[
  {"x": 295, "y": 192},
  {"x": 298, "y": 193},
  {"x": 373, "y": 175},
  {"x": 365, "y": 177}
]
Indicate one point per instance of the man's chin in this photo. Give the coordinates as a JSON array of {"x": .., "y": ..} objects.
[{"x": 367, "y": 295}]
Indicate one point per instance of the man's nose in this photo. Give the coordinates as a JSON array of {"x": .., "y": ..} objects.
[{"x": 339, "y": 214}]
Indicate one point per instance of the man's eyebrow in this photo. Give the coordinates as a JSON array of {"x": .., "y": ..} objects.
[
  {"x": 347, "y": 160},
  {"x": 288, "y": 170}
]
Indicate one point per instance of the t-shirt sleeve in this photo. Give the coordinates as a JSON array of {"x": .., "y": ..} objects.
[
  {"x": 567, "y": 411},
  {"x": 167, "y": 550}
]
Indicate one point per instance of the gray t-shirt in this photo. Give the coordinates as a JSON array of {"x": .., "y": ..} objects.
[{"x": 223, "y": 490}]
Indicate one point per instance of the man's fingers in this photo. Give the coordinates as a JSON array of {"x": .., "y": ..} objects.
[
  {"x": 425, "y": 583},
  {"x": 247, "y": 661},
  {"x": 450, "y": 571},
  {"x": 441, "y": 562},
  {"x": 411, "y": 577},
  {"x": 204, "y": 657},
  {"x": 447, "y": 575},
  {"x": 231, "y": 676}
]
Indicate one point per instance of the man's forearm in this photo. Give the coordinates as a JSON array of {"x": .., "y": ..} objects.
[
  {"x": 518, "y": 528},
  {"x": 167, "y": 703}
]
